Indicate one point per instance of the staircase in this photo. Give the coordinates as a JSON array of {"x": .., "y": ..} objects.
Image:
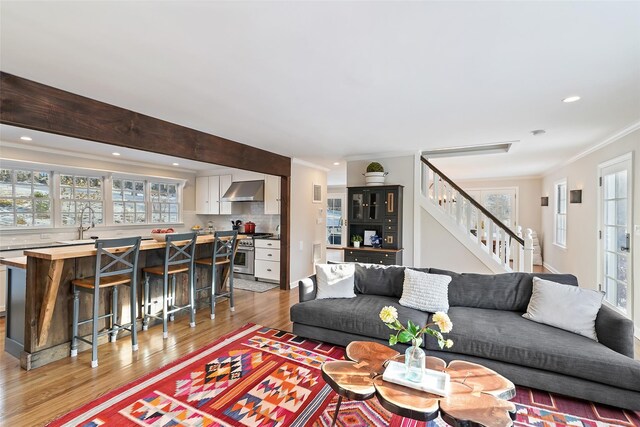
[{"x": 492, "y": 242}]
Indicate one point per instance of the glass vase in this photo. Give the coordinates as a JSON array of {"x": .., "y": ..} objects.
[{"x": 414, "y": 359}]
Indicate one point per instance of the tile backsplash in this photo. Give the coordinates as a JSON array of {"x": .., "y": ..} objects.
[{"x": 244, "y": 211}]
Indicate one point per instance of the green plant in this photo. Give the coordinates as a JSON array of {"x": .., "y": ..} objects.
[
  {"x": 375, "y": 167},
  {"x": 413, "y": 332},
  {"x": 356, "y": 238}
]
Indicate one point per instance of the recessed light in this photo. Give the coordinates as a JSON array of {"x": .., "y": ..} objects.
[
  {"x": 538, "y": 132},
  {"x": 569, "y": 99},
  {"x": 115, "y": 154},
  {"x": 26, "y": 138},
  {"x": 175, "y": 164},
  {"x": 336, "y": 163}
]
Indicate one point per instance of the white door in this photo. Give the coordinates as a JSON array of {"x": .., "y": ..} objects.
[
  {"x": 202, "y": 195},
  {"x": 615, "y": 252},
  {"x": 214, "y": 195},
  {"x": 336, "y": 219},
  {"x": 501, "y": 202}
]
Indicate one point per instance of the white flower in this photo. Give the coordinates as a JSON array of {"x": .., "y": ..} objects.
[
  {"x": 389, "y": 314},
  {"x": 448, "y": 343},
  {"x": 442, "y": 320}
]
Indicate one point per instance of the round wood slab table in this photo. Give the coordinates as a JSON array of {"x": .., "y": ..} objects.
[{"x": 478, "y": 395}]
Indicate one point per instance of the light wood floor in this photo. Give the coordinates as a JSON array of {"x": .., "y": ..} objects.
[{"x": 35, "y": 397}]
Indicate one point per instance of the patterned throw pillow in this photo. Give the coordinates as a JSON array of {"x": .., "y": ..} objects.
[
  {"x": 425, "y": 292},
  {"x": 335, "y": 281}
]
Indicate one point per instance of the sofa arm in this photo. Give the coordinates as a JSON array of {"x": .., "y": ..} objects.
[
  {"x": 307, "y": 288},
  {"x": 614, "y": 330}
]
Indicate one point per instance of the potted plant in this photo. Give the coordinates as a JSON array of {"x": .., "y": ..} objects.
[
  {"x": 375, "y": 174},
  {"x": 356, "y": 239}
]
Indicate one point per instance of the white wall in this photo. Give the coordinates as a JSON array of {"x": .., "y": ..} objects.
[
  {"x": 439, "y": 249},
  {"x": 308, "y": 219},
  {"x": 401, "y": 172},
  {"x": 580, "y": 256}
]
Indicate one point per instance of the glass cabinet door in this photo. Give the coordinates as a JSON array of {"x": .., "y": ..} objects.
[
  {"x": 357, "y": 207},
  {"x": 375, "y": 205}
]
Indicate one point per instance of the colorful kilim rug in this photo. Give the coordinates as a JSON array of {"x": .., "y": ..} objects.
[{"x": 259, "y": 376}]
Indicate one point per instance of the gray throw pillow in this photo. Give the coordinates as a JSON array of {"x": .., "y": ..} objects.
[
  {"x": 566, "y": 307},
  {"x": 425, "y": 291},
  {"x": 335, "y": 281}
]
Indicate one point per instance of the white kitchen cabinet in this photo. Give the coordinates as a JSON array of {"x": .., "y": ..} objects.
[
  {"x": 271, "y": 195},
  {"x": 267, "y": 259},
  {"x": 209, "y": 190}
]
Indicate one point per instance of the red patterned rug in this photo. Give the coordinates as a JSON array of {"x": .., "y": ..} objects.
[{"x": 259, "y": 376}]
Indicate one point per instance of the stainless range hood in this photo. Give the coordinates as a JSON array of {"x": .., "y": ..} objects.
[{"x": 245, "y": 191}]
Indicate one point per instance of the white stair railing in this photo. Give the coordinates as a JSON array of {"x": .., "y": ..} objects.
[{"x": 513, "y": 251}]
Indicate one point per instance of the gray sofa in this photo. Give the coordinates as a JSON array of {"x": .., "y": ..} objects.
[{"x": 488, "y": 328}]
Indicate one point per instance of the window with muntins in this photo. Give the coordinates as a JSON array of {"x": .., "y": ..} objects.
[
  {"x": 25, "y": 198},
  {"x": 129, "y": 201},
  {"x": 78, "y": 192},
  {"x": 165, "y": 202},
  {"x": 561, "y": 213}
]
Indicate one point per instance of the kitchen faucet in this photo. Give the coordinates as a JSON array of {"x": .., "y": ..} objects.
[{"x": 82, "y": 228}]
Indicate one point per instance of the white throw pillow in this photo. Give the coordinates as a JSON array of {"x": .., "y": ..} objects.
[
  {"x": 425, "y": 291},
  {"x": 564, "y": 306},
  {"x": 335, "y": 281}
]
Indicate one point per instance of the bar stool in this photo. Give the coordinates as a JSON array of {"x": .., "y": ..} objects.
[
  {"x": 178, "y": 258},
  {"x": 224, "y": 245},
  {"x": 127, "y": 258}
]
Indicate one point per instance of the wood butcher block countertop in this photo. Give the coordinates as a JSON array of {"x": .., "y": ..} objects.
[
  {"x": 79, "y": 251},
  {"x": 17, "y": 262}
]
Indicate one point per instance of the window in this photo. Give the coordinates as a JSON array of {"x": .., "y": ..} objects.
[
  {"x": 129, "y": 206},
  {"x": 78, "y": 192},
  {"x": 25, "y": 198},
  {"x": 561, "y": 213},
  {"x": 165, "y": 206}
]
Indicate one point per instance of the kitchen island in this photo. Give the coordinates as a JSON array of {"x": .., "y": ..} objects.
[{"x": 48, "y": 297}]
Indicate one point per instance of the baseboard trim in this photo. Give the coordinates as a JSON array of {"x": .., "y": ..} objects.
[
  {"x": 551, "y": 269},
  {"x": 293, "y": 285}
]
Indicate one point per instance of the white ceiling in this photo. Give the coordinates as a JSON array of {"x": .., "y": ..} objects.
[{"x": 322, "y": 81}]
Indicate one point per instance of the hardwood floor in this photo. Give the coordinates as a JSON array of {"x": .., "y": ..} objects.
[{"x": 38, "y": 396}]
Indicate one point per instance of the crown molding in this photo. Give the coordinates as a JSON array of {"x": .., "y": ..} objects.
[
  {"x": 309, "y": 164},
  {"x": 609, "y": 140},
  {"x": 381, "y": 155}
]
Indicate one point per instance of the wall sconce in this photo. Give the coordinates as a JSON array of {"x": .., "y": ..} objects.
[
  {"x": 575, "y": 196},
  {"x": 544, "y": 201}
]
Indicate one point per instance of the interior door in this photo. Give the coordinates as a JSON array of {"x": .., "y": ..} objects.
[
  {"x": 615, "y": 251},
  {"x": 336, "y": 214}
]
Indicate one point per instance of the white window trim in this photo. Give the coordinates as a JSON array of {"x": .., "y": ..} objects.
[
  {"x": 555, "y": 213},
  {"x": 107, "y": 199}
]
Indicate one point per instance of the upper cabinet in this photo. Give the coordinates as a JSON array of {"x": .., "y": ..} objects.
[
  {"x": 367, "y": 205},
  {"x": 271, "y": 194},
  {"x": 377, "y": 210},
  {"x": 209, "y": 190}
]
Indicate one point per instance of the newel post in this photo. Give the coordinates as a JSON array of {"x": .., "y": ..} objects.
[{"x": 528, "y": 251}]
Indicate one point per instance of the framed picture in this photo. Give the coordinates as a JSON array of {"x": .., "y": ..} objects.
[
  {"x": 368, "y": 234},
  {"x": 317, "y": 193}
]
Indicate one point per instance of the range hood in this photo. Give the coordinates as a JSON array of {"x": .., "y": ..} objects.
[{"x": 245, "y": 191}]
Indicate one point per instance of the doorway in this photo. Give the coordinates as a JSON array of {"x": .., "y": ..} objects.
[
  {"x": 336, "y": 230},
  {"x": 614, "y": 247}
]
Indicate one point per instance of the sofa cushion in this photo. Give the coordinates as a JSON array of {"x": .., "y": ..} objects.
[
  {"x": 424, "y": 291},
  {"x": 383, "y": 280},
  {"x": 506, "y": 336},
  {"x": 566, "y": 307},
  {"x": 357, "y": 315},
  {"x": 509, "y": 291}
]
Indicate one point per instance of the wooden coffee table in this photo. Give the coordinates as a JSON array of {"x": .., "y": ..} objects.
[{"x": 479, "y": 396}]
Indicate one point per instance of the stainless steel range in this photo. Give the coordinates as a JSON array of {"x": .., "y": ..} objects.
[{"x": 244, "y": 261}]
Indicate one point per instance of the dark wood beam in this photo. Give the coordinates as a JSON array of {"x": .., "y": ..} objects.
[
  {"x": 31, "y": 105},
  {"x": 28, "y": 104}
]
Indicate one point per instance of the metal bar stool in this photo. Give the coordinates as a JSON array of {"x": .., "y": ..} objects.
[
  {"x": 224, "y": 245},
  {"x": 178, "y": 258},
  {"x": 106, "y": 277}
]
